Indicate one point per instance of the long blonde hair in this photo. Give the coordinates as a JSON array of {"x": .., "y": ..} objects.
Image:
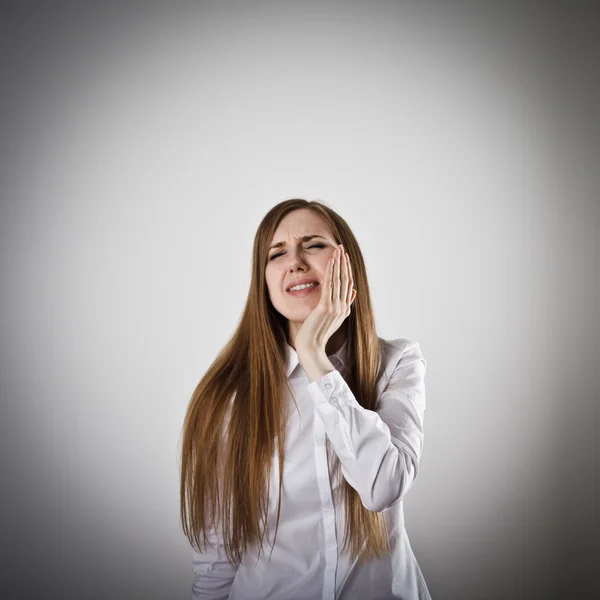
[{"x": 251, "y": 371}]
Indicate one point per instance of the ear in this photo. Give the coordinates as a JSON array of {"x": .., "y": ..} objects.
[{"x": 353, "y": 295}]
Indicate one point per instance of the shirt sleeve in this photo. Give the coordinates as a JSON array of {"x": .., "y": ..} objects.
[
  {"x": 379, "y": 451},
  {"x": 213, "y": 575}
]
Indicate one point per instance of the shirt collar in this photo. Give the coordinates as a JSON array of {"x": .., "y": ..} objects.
[{"x": 337, "y": 358}]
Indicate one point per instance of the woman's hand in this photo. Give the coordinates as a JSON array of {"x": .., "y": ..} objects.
[{"x": 337, "y": 296}]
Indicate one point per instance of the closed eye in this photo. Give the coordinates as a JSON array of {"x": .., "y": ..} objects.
[{"x": 308, "y": 247}]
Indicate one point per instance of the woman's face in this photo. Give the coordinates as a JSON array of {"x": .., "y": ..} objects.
[{"x": 298, "y": 259}]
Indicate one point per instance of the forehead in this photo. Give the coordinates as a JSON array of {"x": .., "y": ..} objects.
[{"x": 302, "y": 221}]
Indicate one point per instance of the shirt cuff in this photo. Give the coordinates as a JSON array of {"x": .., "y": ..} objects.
[{"x": 331, "y": 389}]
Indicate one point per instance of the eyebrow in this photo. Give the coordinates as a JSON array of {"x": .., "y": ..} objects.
[{"x": 304, "y": 238}]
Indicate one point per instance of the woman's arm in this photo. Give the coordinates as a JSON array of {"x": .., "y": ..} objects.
[
  {"x": 213, "y": 574},
  {"x": 379, "y": 451}
]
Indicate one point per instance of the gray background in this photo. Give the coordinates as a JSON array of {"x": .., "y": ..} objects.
[{"x": 141, "y": 146}]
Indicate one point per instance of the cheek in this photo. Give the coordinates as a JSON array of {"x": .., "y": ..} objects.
[{"x": 273, "y": 279}]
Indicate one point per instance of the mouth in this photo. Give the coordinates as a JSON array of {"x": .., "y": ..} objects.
[{"x": 305, "y": 292}]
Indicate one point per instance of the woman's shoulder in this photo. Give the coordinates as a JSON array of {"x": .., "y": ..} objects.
[
  {"x": 398, "y": 346},
  {"x": 399, "y": 350}
]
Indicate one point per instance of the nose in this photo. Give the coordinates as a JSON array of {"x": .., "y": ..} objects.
[{"x": 296, "y": 260}]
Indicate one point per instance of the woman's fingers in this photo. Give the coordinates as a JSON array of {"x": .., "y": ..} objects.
[
  {"x": 336, "y": 276},
  {"x": 344, "y": 279},
  {"x": 349, "y": 283},
  {"x": 340, "y": 282},
  {"x": 327, "y": 282}
]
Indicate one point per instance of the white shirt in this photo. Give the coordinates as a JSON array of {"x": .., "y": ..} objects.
[{"x": 379, "y": 454}]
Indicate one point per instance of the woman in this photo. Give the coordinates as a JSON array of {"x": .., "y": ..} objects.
[{"x": 344, "y": 460}]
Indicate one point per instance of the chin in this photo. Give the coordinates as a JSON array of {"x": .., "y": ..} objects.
[{"x": 298, "y": 315}]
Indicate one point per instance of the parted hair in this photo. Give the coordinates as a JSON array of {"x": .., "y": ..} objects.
[{"x": 236, "y": 414}]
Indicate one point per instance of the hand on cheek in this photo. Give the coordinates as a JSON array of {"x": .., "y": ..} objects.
[{"x": 333, "y": 308}]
